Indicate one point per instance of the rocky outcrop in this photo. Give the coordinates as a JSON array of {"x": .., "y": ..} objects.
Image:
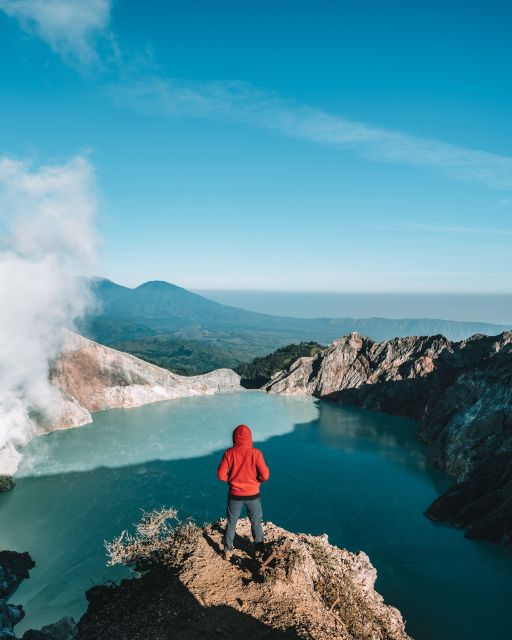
[
  {"x": 459, "y": 392},
  {"x": 92, "y": 377},
  {"x": 303, "y": 588},
  {"x": 14, "y": 568},
  {"x": 482, "y": 503},
  {"x": 354, "y": 360},
  {"x": 64, "y": 629},
  {"x": 6, "y": 483}
]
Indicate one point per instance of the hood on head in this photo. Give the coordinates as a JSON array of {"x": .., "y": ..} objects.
[{"x": 242, "y": 436}]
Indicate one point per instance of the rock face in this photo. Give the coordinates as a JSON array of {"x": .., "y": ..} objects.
[
  {"x": 459, "y": 392},
  {"x": 311, "y": 590},
  {"x": 93, "y": 377},
  {"x": 354, "y": 360},
  {"x": 14, "y": 568},
  {"x": 64, "y": 629}
]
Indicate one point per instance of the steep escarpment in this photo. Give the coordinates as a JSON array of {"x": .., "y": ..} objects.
[
  {"x": 302, "y": 588},
  {"x": 459, "y": 392},
  {"x": 93, "y": 377},
  {"x": 354, "y": 360},
  {"x": 89, "y": 377}
]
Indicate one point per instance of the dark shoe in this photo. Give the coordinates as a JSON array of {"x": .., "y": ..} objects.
[{"x": 259, "y": 550}]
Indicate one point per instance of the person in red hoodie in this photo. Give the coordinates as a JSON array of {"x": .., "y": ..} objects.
[{"x": 244, "y": 468}]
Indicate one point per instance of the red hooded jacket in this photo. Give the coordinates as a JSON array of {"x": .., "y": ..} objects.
[{"x": 242, "y": 465}]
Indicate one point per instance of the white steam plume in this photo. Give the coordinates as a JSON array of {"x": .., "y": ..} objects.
[{"x": 46, "y": 234}]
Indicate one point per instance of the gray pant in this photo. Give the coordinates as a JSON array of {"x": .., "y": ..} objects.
[{"x": 255, "y": 514}]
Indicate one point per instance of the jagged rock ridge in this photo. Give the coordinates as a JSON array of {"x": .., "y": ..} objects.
[{"x": 459, "y": 392}]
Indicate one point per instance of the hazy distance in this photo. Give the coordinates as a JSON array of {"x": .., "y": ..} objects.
[{"x": 460, "y": 306}]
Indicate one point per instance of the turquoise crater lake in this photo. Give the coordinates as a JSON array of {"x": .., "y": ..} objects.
[{"x": 359, "y": 476}]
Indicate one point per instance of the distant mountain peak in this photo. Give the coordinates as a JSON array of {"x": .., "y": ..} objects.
[
  {"x": 165, "y": 308},
  {"x": 158, "y": 284}
]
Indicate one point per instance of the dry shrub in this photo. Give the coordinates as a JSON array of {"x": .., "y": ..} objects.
[{"x": 153, "y": 540}]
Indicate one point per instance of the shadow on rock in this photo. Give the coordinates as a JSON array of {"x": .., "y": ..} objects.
[{"x": 159, "y": 606}]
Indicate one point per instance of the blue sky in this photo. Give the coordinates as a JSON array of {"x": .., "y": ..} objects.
[{"x": 325, "y": 146}]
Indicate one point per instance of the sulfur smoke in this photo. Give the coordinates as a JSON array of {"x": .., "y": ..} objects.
[{"x": 46, "y": 237}]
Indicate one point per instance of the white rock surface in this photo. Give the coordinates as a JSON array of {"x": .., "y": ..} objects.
[{"x": 93, "y": 377}]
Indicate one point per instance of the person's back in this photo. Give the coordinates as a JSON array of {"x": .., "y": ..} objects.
[{"x": 244, "y": 468}]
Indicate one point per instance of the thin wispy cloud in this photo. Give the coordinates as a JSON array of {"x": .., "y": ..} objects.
[
  {"x": 72, "y": 28},
  {"x": 462, "y": 229},
  {"x": 243, "y": 103}
]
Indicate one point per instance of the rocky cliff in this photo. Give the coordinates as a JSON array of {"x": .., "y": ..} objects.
[
  {"x": 459, "y": 392},
  {"x": 14, "y": 568},
  {"x": 92, "y": 377},
  {"x": 303, "y": 588}
]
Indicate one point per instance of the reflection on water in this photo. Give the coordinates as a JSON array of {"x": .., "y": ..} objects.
[
  {"x": 356, "y": 475},
  {"x": 353, "y": 430}
]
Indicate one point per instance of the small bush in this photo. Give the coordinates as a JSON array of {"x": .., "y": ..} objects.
[{"x": 153, "y": 540}]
